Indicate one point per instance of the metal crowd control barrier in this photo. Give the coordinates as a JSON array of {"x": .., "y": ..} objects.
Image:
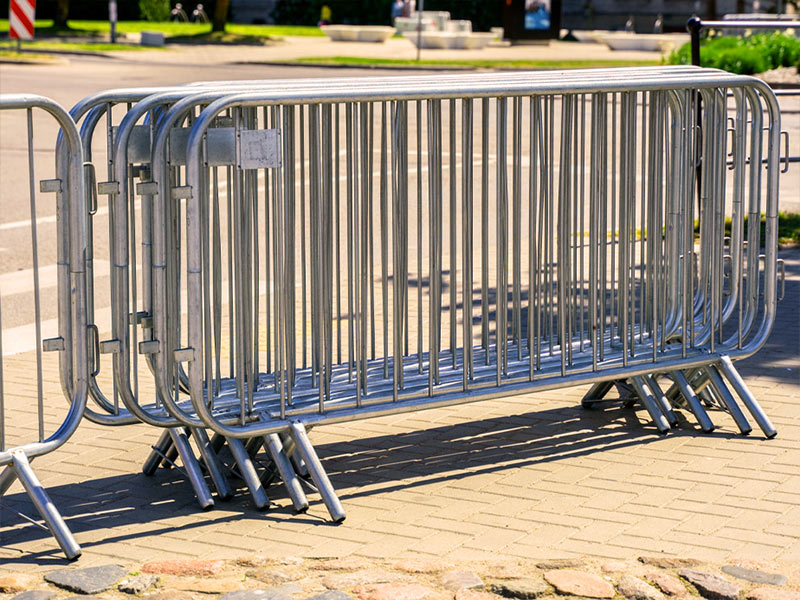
[
  {"x": 16, "y": 452},
  {"x": 588, "y": 296}
]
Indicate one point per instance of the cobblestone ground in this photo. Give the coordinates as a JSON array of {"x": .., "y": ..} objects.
[{"x": 326, "y": 578}]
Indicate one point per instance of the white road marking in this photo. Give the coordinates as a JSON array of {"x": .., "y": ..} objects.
[{"x": 21, "y": 282}]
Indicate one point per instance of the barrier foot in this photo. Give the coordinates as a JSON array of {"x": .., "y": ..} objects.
[
  {"x": 248, "y": 472},
  {"x": 192, "y": 466},
  {"x": 693, "y": 402},
  {"x": 729, "y": 402},
  {"x": 212, "y": 463},
  {"x": 726, "y": 367},
  {"x": 663, "y": 403},
  {"x": 290, "y": 479},
  {"x": 651, "y": 404},
  {"x": 55, "y": 523},
  {"x": 160, "y": 449},
  {"x": 317, "y": 472}
]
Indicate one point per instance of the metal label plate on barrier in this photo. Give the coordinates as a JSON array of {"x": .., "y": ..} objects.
[{"x": 260, "y": 149}]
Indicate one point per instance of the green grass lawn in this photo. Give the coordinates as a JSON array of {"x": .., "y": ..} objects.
[
  {"x": 183, "y": 31},
  {"x": 51, "y": 45},
  {"x": 357, "y": 61}
]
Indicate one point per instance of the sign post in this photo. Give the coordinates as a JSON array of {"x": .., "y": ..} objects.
[
  {"x": 21, "y": 15},
  {"x": 112, "y": 18}
]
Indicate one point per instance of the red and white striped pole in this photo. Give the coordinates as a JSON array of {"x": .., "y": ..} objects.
[{"x": 21, "y": 14}]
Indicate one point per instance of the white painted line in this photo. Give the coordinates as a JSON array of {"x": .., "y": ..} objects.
[{"x": 21, "y": 282}]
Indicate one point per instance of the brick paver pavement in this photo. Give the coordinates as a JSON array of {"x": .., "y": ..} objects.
[{"x": 528, "y": 477}]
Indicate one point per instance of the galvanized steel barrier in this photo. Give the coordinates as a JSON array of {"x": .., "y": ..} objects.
[
  {"x": 286, "y": 254},
  {"x": 17, "y": 449}
]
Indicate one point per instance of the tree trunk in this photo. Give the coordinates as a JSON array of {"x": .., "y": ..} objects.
[
  {"x": 220, "y": 15},
  {"x": 62, "y": 12}
]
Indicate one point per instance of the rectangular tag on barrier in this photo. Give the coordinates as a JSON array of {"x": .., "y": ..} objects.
[
  {"x": 138, "y": 143},
  {"x": 261, "y": 149}
]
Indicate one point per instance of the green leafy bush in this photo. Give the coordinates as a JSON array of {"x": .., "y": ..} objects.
[
  {"x": 154, "y": 10},
  {"x": 754, "y": 54},
  {"x": 741, "y": 60}
]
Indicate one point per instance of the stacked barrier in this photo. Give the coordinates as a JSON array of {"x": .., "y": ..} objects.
[{"x": 286, "y": 254}]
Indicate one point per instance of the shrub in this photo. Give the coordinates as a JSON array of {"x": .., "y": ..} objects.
[
  {"x": 754, "y": 54},
  {"x": 154, "y": 10},
  {"x": 741, "y": 60}
]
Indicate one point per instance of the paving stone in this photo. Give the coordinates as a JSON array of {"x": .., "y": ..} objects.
[
  {"x": 772, "y": 593},
  {"x": 16, "y": 582},
  {"x": 169, "y": 595},
  {"x": 209, "y": 585},
  {"x": 348, "y": 563},
  {"x": 331, "y": 595},
  {"x": 35, "y": 595},
  {"x": 459, "y": 580},
  {"x": 256, "y": 595},
  {"x": 184, "y": 567},
  {"x": 393, "y": 591},
  {"x": 754, "y": 575},
  {"x": 634, "y": 588},
  {"x": 416, "y": 565},
  {"x": 505, "y": 571},
  {"x": 270, "y": 576},
  {"x": 558, "y": 563},
  {"x": 614, "y": 566},
  {"x": 668, "y": 563},
  {"x": 345, "y": 581},
  {"x": 137, "y": 584},
  {"x": 521, "y": 588},
  {"x": 87, "y": 581},
  {"x": 671, "y": 586},
  {"x": 711, "y": 585},
  {"x": 467, "y": 594},
  {"x": 579, "y": 583}
]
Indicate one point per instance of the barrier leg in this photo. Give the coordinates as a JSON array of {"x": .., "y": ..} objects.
[
  {"x": 45, "y": 506},
  {"x": 693, "y": 402},
  {"x": 7, "y": 477},
  {"x": 666, "y": 407},
  {"x": 596, "y": 393},
  {"x": 317, "y": 472},
  {"x": 729, "y": 402},
  {"x": 217, "y": 443},
  {"x": 289, "y": 447},
  {"x": 651, "y": 404},
  {"x": 212, "y": 463},
  {"x": 171, "y": 455},
  {"x": 284, "y": 466},
  {"x": 725, "y": 365},
  {"x": 192, "y": 466},
  {"x": 160, "y": 449},
  {"x": 248, "y": 471}
]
